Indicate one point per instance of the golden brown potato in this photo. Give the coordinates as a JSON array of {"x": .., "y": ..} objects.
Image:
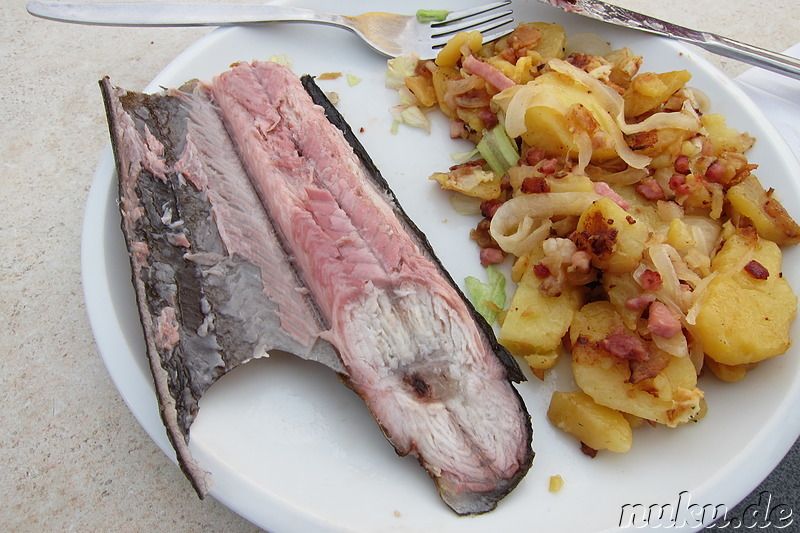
[
  {"x": 441, "y": 76},
  {"x": 552, "y": 41},
  {"x": 670, "y": 398},
  {"x": 766, "y": 213},
  {"x": 536, "y": 323},
  {"x": 422, "y": 87},
  {"x": 595, "y": 425},
  {"x": 745, "y": 314},
  {"x": 472, "y": 181},
  {"x": 614, "y": 238},
  {"x": 728, "y": 373},
  {"x": 649, "y": 90},
  {"x": 620, "y": 288},
  {"x": 723, "y": 138},
  {"x": 451, "y": 54}
]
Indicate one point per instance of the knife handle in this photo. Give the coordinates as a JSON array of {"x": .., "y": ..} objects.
[{"x": 753, "y": 55}]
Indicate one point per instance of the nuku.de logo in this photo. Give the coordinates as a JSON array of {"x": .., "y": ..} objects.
[{"x": 684, "y": 513}]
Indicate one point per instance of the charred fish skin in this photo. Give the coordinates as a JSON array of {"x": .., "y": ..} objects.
[
  {"x": 428, "y": 369},
  {"x": 213, "y": 286}
]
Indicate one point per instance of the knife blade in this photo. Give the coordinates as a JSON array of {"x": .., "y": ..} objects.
[{"x": 711, "y": 42}]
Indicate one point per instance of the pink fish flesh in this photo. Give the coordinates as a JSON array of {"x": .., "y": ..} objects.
[{"x": 402, "y": 335}]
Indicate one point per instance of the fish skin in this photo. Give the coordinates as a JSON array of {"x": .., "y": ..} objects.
[
  {"x": 428, "y": 368},
  {"x": 211, "y": 292}
]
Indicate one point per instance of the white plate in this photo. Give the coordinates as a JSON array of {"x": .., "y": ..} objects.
[{"x": 291, "y": 449}]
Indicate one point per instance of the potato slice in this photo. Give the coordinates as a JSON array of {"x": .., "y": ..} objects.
[
  {"x": 595, "y": 425},
  {"x": 649, "y": 90},
  {"x": 766, "y": 213},
  {"x": 536, "y": 323},
  {"x": 451, "y": 53},
  {"x": 613, "y": 237},
  {"x": 670, "y": 398},
  {"x": 743, "y": 318}
]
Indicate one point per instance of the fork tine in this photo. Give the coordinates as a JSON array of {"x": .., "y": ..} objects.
[
  {"x": 454, "y": 16},
  {"x": 497, "y": 30},
  {"x": 485, "y": 23},
  {"x": 489, "y": 37}
]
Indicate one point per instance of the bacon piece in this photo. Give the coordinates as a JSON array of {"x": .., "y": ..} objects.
[
  {"x": 650, "y": 280},
  {"x": 756, "y": 270},
  {"x": 662, "y": 322},
  {"x": 487, "y": 72},
  {"x": 534, "y": 185},
  {"x": 604, "y": 189},
  {"x": 682, "y": 165},
  {"x": 491, "y": 256},
  {"x": 715, "y": 172},
  {"x": 541, "y": 271},
  {"x": 624, "y": 346},
  {"x": 534, "y": 156},
  {"x": 490, "y": 207},
  {"x": 650, "y": 189},
  {"x": 640, "y": 303}
]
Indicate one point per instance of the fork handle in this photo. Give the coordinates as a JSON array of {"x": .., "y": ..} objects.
[
  {"x": 175, "y": 14},
  {"x": 747, "y": 53}
]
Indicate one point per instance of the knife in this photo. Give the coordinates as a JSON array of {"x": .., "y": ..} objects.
[{"x": 716, "y": 44}]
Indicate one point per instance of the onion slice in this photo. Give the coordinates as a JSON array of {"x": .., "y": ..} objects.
[{"x": 523, "y": 222}]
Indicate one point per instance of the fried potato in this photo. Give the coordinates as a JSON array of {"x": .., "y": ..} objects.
[
  {"x": 614, "y": 238},
  {"x": 670, "y": 398},
  {"x": 595, "y": 425},
  {"x": 535, "y": 323},
  {"x": 748, "y": 307},
  {"x": 451, "y": 53},
  {"x": 649, "y": 90},
  {"x": 765, "y": 212}
]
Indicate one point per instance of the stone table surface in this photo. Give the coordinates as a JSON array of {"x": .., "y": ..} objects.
[{"x": 73, "y": 457}]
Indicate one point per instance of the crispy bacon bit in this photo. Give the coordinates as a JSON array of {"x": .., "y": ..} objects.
[
  {"x": 682, "y": 165},
  {"x": 650, "y": 280},
  {"x": 677, "y": 181},
  {"x": 548, "y": 166},
  {"x": 535, "y": 185},
  {"x": 604, "y": 189},
  {"x": 588, "y": 450},
  {"x": 468, "y": 164},
  {"x": 715, "y": 172},
  {"x": 756, "y": 270},
  {"x": 490, "y": 73},
  {"x": 642, "y": 140},
  {"x": 489, "y": 119},
  {"x": 624, "y": 346},
  {"x": 640, "y": 303},
  {"x": 534, "y": 156},
  {"x": 650, "y": 189},
  {"x": 491, "y": 256},
  {"x": 662, "y": 322},
  {"x": 490, "y": 207},
  {"x": 541, "y": 271},
  {"x": 641, "y": 370},
  {"x": 481, "y": 234}
]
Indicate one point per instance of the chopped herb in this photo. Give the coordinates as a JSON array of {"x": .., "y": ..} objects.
[{"x": 431, "y": 15}]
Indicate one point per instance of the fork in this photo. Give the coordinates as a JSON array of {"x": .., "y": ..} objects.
[{"x": 389, "y": 34}]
